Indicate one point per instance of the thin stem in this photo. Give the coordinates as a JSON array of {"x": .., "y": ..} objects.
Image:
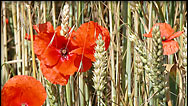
[
  {"x": 4, "y": 55},
  {"x": 136, "y": 100},
  {"x": 18, "y": 38},
  {"x": 44, "y": 10},
  {"x": 117, "y": 53},
  {"x": 113, "y": 91},
  {"x": 53, "y": 12},
  {"x": 23, "y": 40},
  {"x": 128, "y": 58},
  {"x": 31, "y": 33}
]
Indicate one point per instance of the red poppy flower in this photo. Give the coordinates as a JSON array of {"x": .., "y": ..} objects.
[
  {"x": 84, "y": 38},
  {"x": 57, "y": 61},
  {"x": 22, "y": 89},
  {"x": 62, "y": 57},
  {"x": 167, "y": 34}
]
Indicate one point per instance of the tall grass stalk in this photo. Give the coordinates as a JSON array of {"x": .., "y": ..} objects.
[
  {"x": 113, "y": 91},
  {"x": 23, "y": 38},
  {"x": 181, "y": 86},
  {"x": 132, "y": 74},
  {"x": 31, "y": 33},
  {"x": 117, "y": 51},
  {"x": 18, "y": 44},
  {"x": 53, "y": 14},
  {"x": 44, "y": 11},
  {"x": 150, "y": 45},
  {"x": 4, "y": 54},
  {"x": 128, "y": 57},
  {"x": 15, "y": 33},
  {"x": 123, "y": 73},
  {"x": 136, "y": 100}
]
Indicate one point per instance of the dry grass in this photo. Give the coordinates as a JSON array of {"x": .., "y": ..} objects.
[{"x": 125, "y": 84}]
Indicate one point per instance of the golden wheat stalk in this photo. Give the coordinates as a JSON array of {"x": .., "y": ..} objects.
[{"x": 99, "y": 72}]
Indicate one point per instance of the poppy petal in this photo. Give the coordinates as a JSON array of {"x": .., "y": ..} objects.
[
  {"x": 53, "y": 75},
  {"x": 106, "y": 36},
  {"x": 58, "y": 30},
  {"x": 148, "y": 35},
  {"x": 176, "y": 34},
  {"x": 22, "y": 89},
  {"x": 85, "y": 62},
  {"x": 44, "y": 28},
  {"x": 165, "y": 30},
  {"x": 170, "y": 47},
  {"x": 89, "y": 53},
  {"x": 39, "y": 45},
  {"x": 51, "y": 56},
  {"x": 66, "y": 65},
  {"x": 86, "y": 34}
]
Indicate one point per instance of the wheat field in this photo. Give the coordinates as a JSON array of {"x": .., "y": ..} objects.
[{"x": 132, "y": 76}]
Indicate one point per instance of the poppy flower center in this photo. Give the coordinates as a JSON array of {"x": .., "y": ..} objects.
[
  {"x": 163, "y": 38},
  {"x": 64, "y": 52}
]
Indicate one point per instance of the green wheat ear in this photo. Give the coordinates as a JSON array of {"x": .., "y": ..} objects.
[
  {"x": 140, "y": 50},
  {"x": 99, "y": 72},
  {"x": 157, "y": 70},
  {"x": 52, "y": 94},
  {"x": 184, "y": 49},
  {"x": 184, "y": 57},
  {"x": 65, "y": 20}
]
